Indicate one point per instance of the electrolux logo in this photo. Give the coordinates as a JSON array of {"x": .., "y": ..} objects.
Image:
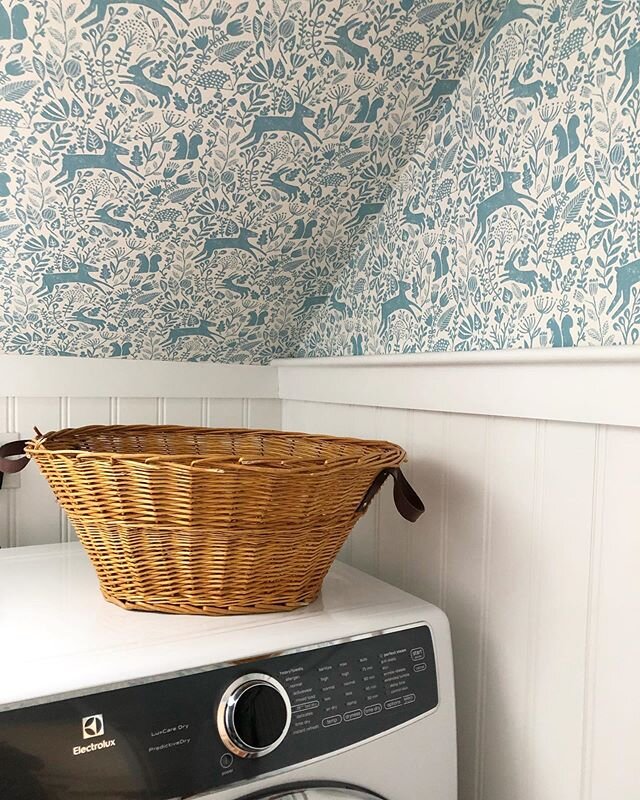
[{"x": 92, "y": 728}]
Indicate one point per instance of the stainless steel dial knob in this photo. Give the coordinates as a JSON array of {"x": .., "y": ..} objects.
[{"x": 254, "y": 715}]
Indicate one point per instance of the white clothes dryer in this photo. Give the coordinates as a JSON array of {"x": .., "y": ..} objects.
[{"x": 351, "y": 698}]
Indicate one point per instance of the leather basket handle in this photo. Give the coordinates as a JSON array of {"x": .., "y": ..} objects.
[
  {"x": 409, "y": 505},
  {"x": 10, "y": 465}
]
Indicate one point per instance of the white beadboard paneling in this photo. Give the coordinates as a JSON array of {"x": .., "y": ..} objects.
[
  {"x": 223, "y": 413},
  {"x": 181, "y": 411},
  {"x": 465, "y": 586},
  {"x": 613, "y": 703},
  {"x": 138, "y": 410},
  {"x": 426, "y": 564},
  {"x": 530, "y": 544},
  {"x": 364, "y": 537},
  {"x": 333, "y": 420},
  {"x": 88, "y": 411},
  {"x": 39, "y": 519},
  {"x": 265, "y": 414},
  {"x": 507, "y": 607},
  {"x": 393, "y": 531},
  {"x": 7, "y": 496},
  {"x": 563, "y": 554},
  {"x": 58, "y": 392}
]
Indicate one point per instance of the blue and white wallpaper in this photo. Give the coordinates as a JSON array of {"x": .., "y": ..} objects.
[
  {"x": 238, "y": 181},
  {"x": 517, "y": 222}
]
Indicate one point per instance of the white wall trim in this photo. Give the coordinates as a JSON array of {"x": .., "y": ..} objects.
[
  {"x": 54, "y": 376},
  {"x": 566, "y": 355},
  {"x": 590, "y": 385}
]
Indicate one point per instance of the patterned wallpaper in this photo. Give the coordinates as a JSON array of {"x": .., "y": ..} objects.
[
  {"x": 238, "y": 181},
  {"x": 183, "y": 179},
  {"x": 517, "y": 222}
]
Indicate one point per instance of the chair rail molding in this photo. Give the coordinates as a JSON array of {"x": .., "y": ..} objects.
[
  {"x": 591, "y": 385},
  {"x": 53, "y": 376},
  {"x": 599, "y": 385}
]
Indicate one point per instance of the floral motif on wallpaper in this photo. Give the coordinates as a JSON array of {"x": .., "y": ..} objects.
[
  {"x": 517, "y": 222},
  {"x": 185, "y": 180}
]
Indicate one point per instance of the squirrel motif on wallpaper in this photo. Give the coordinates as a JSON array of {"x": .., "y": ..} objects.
[{"x": 12, "y": 26}]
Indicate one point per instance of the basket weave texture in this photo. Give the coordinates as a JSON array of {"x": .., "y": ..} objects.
[{"x": 210, "y": 521}]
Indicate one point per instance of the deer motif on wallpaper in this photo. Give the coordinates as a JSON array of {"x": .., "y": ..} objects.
[
  {"x": 506, "y": 196},
  {"x": 98, "y": 8}
]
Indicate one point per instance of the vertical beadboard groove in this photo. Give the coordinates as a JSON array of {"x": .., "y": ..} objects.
[
  {"x": 65, "y": 422},
  {"x": 533, "y": 650},
  {"x": 595, "y": 567},
  {"x": 409, "y": 472},
  {"x": 13, "y": 512},
  {"x": 377, "y": 521},
  {"x": 12, "y": 424},
  {"x": 444, "y": 523},
  {"x": 484, "y": 614}
]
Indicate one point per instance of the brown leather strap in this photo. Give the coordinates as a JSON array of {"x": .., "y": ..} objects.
[
  {"x": 409, "y": 505},
  {"x": 10, "y": 465}
]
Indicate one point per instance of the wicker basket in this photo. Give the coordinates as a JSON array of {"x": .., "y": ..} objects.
[{"x": 213, "y": 521}]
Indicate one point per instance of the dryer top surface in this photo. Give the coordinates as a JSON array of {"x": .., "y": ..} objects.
[{"x": 60, "y": 636}]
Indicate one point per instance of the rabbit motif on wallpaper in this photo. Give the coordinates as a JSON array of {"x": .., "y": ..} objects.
[{"x": 368, "y": 177}]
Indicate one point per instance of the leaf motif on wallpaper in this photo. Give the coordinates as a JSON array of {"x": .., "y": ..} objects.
[
  {"x": 16, "y": 90},
  {"x": 607, "y": 213},
  {"x": 56, "y": 111},
  {"x": 7, "y": 230},
  {"x": 54, "y": 70},
  {"x": 94, "y": 142},
  {"x": 38, "y": 65},
  {"x": 350, "y": 159},
  {"x": 432, "y": 12},
  {"x": 56, "y": 34},
  {"x": 286, "y": 103},
  {"x": 449, "y": 156},
  {"x": 270, "y": 30},
  {"x": 229, "y": 52},
  {"x": 180, "y": 195},
  {"x": 446, "y": 318},
  {"x": 574, "y": 206},
  {"x": 603, "y": 168}
]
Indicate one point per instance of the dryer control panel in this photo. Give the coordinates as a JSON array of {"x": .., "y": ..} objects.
[{"x": 205, "y": 730}]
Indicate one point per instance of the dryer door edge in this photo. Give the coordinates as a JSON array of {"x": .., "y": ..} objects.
[{"x": 317, "y": 791}]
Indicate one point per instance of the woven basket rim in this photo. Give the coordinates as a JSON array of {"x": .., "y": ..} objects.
[{"x": 372, "y": 451}]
